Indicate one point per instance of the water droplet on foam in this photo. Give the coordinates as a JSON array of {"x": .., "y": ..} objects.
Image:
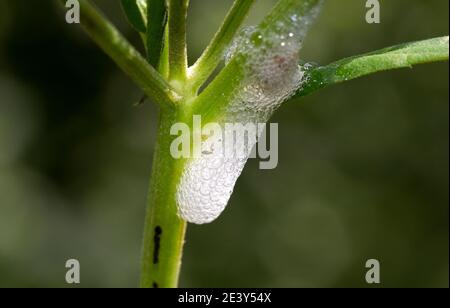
[{"x": 272, "y": 76}]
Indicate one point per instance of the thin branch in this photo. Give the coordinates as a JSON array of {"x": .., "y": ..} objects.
[
  {"x": 216, "y": 49},
  {"x": 177, "y": 39},
  {"x": 125, "y": 55}
]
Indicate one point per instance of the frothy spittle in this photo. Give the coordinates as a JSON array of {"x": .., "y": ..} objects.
[{"x": 270, "y": 60}]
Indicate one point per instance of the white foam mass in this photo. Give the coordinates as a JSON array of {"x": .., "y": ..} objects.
[{"x": 272, "y": 76}]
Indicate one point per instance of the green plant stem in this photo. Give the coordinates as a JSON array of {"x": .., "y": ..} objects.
[
  {"x": 215, "y": 51},
  {"x": 177, "y": 40},
  {"x": 164, "y": 230},
  {"x": 213, "y": 101},
  {"x": 126, "y": 56}
]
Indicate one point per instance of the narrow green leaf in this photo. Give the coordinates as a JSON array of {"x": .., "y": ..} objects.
[
  {"x": 400, "y": 56},
  {"x": 164, "y": 60},
  {"x": 135, "y": 10},
  {"x": 156, "y": 24}
]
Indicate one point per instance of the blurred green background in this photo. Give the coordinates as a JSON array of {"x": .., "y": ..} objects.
[{"x": 363, "y": 169}]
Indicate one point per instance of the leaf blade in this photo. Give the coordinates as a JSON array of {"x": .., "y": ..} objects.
[
  {"x": 399, "y": 56},
  {"x": 135, "y": 12},
  {"x": 156, "y": 24}
]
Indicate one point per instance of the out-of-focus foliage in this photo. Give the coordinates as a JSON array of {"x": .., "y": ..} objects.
[{"x": 363, "y": 167}]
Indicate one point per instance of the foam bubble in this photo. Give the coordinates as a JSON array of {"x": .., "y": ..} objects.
[{"x": 270, "y": 59}]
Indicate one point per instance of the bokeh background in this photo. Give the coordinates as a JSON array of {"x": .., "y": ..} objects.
[{"x": 363, "y": 169}]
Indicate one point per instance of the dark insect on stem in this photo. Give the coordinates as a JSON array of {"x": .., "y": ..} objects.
[{"x": 157, "y": 244}]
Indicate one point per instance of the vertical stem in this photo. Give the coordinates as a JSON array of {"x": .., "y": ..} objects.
[
  {"x": 164, "y": 230},
  {"x": 177, "y": 39}
]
